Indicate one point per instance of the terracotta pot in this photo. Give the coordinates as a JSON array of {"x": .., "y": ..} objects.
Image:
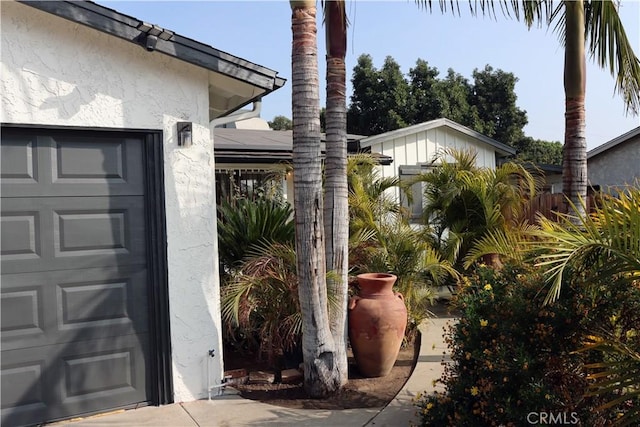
[{"x": 377, "y": 321}]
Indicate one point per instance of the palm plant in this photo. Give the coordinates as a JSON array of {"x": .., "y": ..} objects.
[
  {"x": 320, "y": 350},
  {"x": 261, "y": 300},
  {"x": 336, "y": 206},
  {"x": 465, "y": 202},
  {"x": 246, "y": 223},
  {"x": 578, "y": 22},
  {"x": 403, "y": 251},
  {"x": 369, "y": 202},
  {"x": 383, "y": 241}
]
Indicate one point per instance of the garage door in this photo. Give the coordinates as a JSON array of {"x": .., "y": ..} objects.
[{"x": 75, "y": 311}]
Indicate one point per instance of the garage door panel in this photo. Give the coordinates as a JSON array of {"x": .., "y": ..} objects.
[
  {"x": 22, "y": 385},
  {"x": 20, "y": 237},
  {"x": 74, "y": 288},
  {"x": 74, "y": 378},
  {"x": 72, "y": 232},
  {"x": 41, "y": 309},
  {"x": 22, "y": 312},
  {"x": 70, "y": 164},
  {"x": 19, "y": 160}
]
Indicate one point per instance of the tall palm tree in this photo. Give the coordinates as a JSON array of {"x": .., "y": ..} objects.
[
  {"x": 579, "y": 21},
  {"x": 318, "y": 347},
  {"x": 336, "y": 206}
]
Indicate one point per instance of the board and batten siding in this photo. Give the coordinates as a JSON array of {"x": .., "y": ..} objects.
[
  {"x": 58, "y": 73},
  {"x": 420, "y": 148}
]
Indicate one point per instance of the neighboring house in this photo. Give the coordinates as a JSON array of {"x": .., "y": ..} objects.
[
  {"x": 247, "y": 159},
  {"x": 413, "y": 149},
  {"x": 551, "y": 176},
  {"x": 110, "y": 285},
  {"x": 615, "y": 163}
]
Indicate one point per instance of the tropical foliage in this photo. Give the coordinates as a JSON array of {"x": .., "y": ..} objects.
[
  {"x": 512, "y": 357},
  {"x": 383, "y": 241},
  {"x": 464, "y": 202},
  {"x": 590, "y": 268},
  {"x": 592, "y": 26},
  {"x": 260, "y": 306},
  {"x": 246, "y": 223}
]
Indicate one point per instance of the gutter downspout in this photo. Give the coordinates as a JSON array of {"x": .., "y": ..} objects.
[
  {"x": 238, "y": 115},
  {"x": 233, "y": 117}
]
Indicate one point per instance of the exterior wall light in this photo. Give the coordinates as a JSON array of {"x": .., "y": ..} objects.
[{"x": 185, "y": 132}]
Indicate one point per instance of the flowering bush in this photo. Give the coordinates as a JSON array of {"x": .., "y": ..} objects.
[{"x": 512, "y": 356}]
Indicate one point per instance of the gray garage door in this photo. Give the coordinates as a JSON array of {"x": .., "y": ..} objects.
[{"x": 74, "y": 278}]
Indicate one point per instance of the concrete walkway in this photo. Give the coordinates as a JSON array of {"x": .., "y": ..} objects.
[{"x": 231, "y": 410}]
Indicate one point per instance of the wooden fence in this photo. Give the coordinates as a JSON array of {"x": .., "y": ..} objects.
[{"x": 548, "y": 205}]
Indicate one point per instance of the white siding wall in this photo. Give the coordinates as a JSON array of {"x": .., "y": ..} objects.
[
  {"x": 55, "y": 72},
  {"x": 421, "y": 147}
]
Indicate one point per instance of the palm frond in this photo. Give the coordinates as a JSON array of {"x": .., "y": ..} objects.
[
  {"x": 617, "y": 376},
  {"x": 611, "y": 49}
]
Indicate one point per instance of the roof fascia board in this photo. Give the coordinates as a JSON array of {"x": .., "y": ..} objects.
[
  {"x": 125, "y": 27},
  {"x": 612, "y": 143},
  {"x": 422, "y": 127}
]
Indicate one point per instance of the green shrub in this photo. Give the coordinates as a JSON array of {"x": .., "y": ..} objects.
[
  {"x": 260, "y": 306},
  {"x": 246, "y": 223},
  {"x": 512, "y": 355}
]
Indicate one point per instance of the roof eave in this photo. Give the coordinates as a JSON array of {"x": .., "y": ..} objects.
[
  {"x": 154, "y": 38},
  {"x": 501, "y": 148},
  {"x": 612, "y": 143}
]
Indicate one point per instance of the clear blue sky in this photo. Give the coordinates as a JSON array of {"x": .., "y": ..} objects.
[{"x": 260, "y": 31}]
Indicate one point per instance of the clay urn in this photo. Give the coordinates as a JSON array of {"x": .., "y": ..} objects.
[{"x": 377, "y": 322}]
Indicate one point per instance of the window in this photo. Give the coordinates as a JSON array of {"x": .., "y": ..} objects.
[
  {"x": 409, "y": 172},
  {"x": 250, "y": 183}
]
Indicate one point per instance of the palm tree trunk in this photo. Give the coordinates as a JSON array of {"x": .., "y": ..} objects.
[
  {"x": 574, "y": 164},
  {"x": 336, "y": 207},
  {"x": 318, "y": 349}
]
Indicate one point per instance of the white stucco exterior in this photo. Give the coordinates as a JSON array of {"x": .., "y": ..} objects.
[{"x": 55, "y": 72}]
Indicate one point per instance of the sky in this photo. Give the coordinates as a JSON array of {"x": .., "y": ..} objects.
[{"x": 260, "y": 32}]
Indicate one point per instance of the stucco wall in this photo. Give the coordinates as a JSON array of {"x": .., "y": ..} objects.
[
  {"x": 55, "y": 72},
  {"x": 421, "y": 147},
  {"x": 617, "y": 166}
]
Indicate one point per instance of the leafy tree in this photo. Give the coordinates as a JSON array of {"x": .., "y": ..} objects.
[
  {"x": 423, "y": 104},
  {"x": 281, "y": 123},
  {"x": 538, "y": 151},
  {"x": 494, "y": 97},
  {"x": 454, "y": 92},
  {"x": 362, "y": 111},
  {"x": 385, "y": 100},
  {"x": 379, "y": 100}
]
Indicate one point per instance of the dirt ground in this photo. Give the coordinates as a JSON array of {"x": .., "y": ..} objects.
[{"x": 359, "y": 392}]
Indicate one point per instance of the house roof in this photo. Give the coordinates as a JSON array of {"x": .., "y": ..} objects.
[
  {"x": 433, "y": 124},
  {"x": 264, "y": 146},
  {"x": 614, "y": 142},
  {"x": 233, "y": 82}
]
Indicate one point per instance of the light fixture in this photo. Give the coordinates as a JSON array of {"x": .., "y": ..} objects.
[{"x": 185, "y": 134}]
